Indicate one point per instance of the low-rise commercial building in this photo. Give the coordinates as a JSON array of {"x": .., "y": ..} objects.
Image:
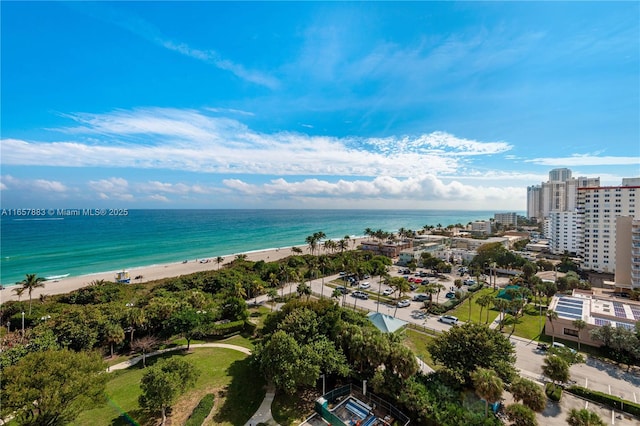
[{"x": 595, "y": 309}]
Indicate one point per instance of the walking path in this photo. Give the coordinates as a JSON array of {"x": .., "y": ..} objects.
[{"x": 262, "y": 415}]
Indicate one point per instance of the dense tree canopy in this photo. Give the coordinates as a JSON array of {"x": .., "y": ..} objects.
[
  {"x": 464, "y": 348},
  {"x": 162, "y": 383},
  {"x": 52, "y": 387}
]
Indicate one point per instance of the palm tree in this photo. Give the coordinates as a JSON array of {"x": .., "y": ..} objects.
[
  {"x": 529, "y": 393},
  {"x": 113, "y": 334},
  {"x": 488, "y": 386},
  {"x": 272, "y": 293},
  {"x": 303, "y": 289},
  {"x": 484, "y": 301},
  {"x": 135, "y": 318},
  {"x": 19, "y": 291},
  {"x": 579, "y": 324},
  {"x": 219, "y": 260},
  {"x": 31, "y": 282},
  {"x": 584, "y": 417},
  {"x": 501, "y": 305},
  {"x": 551, "y": 316}
]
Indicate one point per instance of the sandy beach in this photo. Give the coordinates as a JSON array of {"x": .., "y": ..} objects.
[{"x": 150, "y": 273}]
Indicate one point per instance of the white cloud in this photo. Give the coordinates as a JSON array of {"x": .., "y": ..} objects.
[
  {"x": 164, "y": 138},
  {"x": 585, "y": 160},
  {"x": 420, "y": 189},
  {"x": 111, "y": 189},
  {"x": 44, "y": 186}
]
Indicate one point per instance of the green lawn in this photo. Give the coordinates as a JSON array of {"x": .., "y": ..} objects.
[
  {"x": 529, "y": 325},
  {"x": 221, "y": 369},
  {"x": 417, "y": 342},
  {"x": 462, "y": 310}
]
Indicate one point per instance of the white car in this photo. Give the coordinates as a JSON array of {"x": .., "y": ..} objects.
[
  {"x": 449, "y": 319},
  {"x": 403, "y": 303},
  {"x": 364, "y": 285},
  {"x": 388, "y": 292}
]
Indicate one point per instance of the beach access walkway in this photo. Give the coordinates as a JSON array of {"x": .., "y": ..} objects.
[{"x": 262, "y": 415}]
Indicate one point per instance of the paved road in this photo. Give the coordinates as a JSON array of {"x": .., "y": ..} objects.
[{"x": 594, "y": 374}]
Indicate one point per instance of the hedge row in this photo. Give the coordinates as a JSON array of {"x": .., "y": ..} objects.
[
  {"x": 553, "y": 391},
  {"x": 201, "y": 411},
  {"x": 606, "y": 399},
  {"x": 226, "y": 328}
]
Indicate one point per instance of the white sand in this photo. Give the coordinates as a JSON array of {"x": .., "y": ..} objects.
[{"x": 150, "y": 273}]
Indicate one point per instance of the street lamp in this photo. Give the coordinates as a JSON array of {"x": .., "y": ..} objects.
[
  {"x": 22, "y": 323},
  {"x": 323, "y": 383},
  {"x": 8, "y": 326}
]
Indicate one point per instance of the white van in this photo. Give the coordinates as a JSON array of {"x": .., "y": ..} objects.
[{"x": 449, "y": 319}]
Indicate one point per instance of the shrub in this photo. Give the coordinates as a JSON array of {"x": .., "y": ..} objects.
[
  {"x": 553, "y": 392},
  {"x": 606, "y": 399},
  {"x": 201, "y": 411}
]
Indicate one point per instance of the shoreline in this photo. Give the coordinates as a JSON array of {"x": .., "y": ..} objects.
[{"x": 152, "y": 272}]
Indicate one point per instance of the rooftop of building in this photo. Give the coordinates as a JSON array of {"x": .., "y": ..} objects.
[{"x": 597, "y": 307}]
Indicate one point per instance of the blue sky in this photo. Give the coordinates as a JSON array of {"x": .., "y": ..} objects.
[{"x": 434, "y": 105}]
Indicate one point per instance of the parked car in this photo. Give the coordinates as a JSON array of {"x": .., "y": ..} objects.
[
  {"x": 364, "y": 285},
  {"x": 403, "y": 303},
  {"x": 421, "y": 297},
  {"x": 450, "y": 295},
  {"x": 388, "y": 291},
  {"x": 360, "y": 295},
  {"x": 469, "y": 282},
  {"x": 543, "y": 346},
  {"x": 413, "y": 286},
  {"x": 418, "y": 281},
  {"x": 449, "y": 319}
]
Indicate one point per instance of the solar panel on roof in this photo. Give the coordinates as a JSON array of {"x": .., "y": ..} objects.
[
  {"x": 569, "y": 310},
  {"x": 571, "y": 301}
]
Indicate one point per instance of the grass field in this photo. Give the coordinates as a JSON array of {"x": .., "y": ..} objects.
[
  {"x": 417, "y": 342},
  {"x": 462, "y": 310},
  {"x": 239, "y": 390}
]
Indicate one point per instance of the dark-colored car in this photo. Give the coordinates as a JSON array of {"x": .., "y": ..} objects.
[
  {"x": 543, "y": 346},
  {"x": 342, "y": 289}
]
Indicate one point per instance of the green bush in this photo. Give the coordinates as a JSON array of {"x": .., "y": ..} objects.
[
  {"x": 553, "y": 392},
  {"x": 226, "y": 328},
  {"x": 201, "y": 411},
  {"x": 475, "y": 287},
  {"x": 606, "y": 399}
]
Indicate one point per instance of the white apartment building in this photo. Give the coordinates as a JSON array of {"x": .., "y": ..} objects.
[
  {"x": 561, "y": 229},
  {"x": 559, "y": 193},
  {"x": 534, "y": 202},
  {"x": 598, "y": 209},
  {"x": 506, "y": 218},
  {"x": 481, "y": 227}
]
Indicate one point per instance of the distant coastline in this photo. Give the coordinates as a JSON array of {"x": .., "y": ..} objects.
[{"x": 83, "y": 246}]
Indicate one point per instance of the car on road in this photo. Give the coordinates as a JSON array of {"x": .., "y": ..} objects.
[
  {"x": 365, "y": 285},
  {"x": 360, "y": 295},
  {"x": 542, "y": 347},
  {"x": 419, "y": 314},
  {"x": 388, "y": 291},
  {"x": 449, "y": 319},
  {"x": 403, "y": 303},
  {"x": 342, "y": 289},
  {"x": 421, "y": 297}
]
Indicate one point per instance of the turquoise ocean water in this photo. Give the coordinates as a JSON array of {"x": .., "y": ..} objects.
[{"x": 83, "y": 244}]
